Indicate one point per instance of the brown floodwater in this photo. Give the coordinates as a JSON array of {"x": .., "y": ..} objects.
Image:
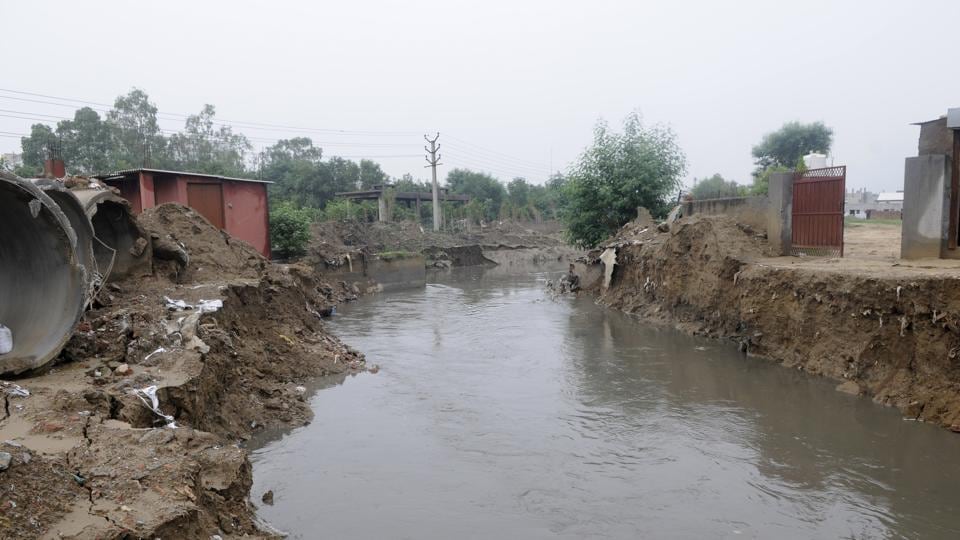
[{"x": 501, "y": 412}]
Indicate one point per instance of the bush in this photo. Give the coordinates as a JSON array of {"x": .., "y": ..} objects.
[{"x": 290, "y": 229}]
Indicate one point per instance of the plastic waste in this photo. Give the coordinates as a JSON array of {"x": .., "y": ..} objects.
[
  {"x": 148, "y": 396},
  {"x": 6, "y": 339}
]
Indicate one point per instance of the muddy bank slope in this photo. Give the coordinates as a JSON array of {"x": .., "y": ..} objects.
[
  {"x": 894, "y": 337},
  {"x": 498, "y": 243},
  {"x": 221, "y": 339}
]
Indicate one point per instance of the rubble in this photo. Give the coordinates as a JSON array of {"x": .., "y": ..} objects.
[{"x": 95, "y": 455}]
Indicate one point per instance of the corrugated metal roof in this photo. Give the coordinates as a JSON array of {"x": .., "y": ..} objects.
[
  {"x": 890, "y": 196},
  {"x": 185, "y": 173}
]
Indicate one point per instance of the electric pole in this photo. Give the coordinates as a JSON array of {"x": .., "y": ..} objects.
[{"x": 434, "y": 159}]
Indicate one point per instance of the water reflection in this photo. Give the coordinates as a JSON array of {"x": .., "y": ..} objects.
[{"x": 500, "y": 412}]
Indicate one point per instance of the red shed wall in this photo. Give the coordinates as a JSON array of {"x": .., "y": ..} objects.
[
  {"x": 246, "y": 213},
  {"x": 245, "y": 209}
]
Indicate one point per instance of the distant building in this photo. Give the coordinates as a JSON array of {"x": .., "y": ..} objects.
[
  {"x": 238, "y": 206},
  {"x": 864, "y": 204},
  {"x": 12, "y": 160}
]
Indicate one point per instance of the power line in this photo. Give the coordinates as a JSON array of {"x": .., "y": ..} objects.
[{"x": 501, "y": 154}]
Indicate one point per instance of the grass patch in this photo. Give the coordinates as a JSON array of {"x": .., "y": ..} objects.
[{"x": 854, "y": 222}]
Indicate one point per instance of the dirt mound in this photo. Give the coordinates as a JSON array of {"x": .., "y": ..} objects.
[
  {"x": 212, "y": 253},
  {"x": 222, "y": 339}
]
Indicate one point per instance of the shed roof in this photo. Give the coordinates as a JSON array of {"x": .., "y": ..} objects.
[
  {"x": 890, "y": 196},
  {"x": 125, "y": 172}
]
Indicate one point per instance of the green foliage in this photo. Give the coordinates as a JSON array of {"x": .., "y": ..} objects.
[
  {"x": 790, "y": 143},
  {"x": 761, "y": 180},
  {"x": 371, "y": 174},
  {"x": 640, "y": 167},
  {"x": 716, "y": 187},
  {"x": 479, "y": 186},
  {"x": 344, "y": 209},
  {"x": 289, "y": 229},
  {"x": 201, "y": 147},
  {"x": 136, "y": 139}
]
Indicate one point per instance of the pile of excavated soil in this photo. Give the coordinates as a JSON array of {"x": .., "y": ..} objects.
[
  {"x": 893, "y": 337},
  {"x": 224, "y": 342},
  {"x": 213, "y": 254}
]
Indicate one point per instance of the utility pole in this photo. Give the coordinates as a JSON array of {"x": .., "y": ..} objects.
[{"x": 434, "y": 159}]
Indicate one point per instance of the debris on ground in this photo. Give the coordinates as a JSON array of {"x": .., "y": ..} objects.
[{"x": 216, "y": 347}]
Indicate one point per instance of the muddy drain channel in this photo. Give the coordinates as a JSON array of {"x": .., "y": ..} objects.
[{"x": 500, "y": 412}]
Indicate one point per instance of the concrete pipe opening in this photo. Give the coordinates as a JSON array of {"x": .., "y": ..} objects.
[
  {"x": 121, "y": 239},
  {"x": 42, "y": 283},
  {"x": 72, "y": 208}
]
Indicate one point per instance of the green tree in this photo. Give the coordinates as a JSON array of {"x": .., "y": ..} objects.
[
  {"x": 296, "y": 168},
  {"x": 480, "y": 186},
  {"x": 371, "y": 174},
  {"x": 640, "y": 167},
  {"x": 715, "y": 187},
  {"x": 790, "y": 143},
  {"x": 289, "y": 230},
  {"x": 137, "y": 139},
  {"x": 34, "y": 150},
  {"x": 85, "y": 142},
  {"x": 203, "y": 147}
]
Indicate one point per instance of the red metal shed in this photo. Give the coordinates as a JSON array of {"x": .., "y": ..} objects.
[{"x": 238, "y": 206}]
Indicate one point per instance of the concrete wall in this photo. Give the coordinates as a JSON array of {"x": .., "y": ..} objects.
[
  {"x": 935, "y": 138},
  {"x": 926, "y": 207},
  {"x": 374, "y": 274},
  {"x": 748, "y": 210},
  {"x": 405, "y": 272},
  {"x": 780, "y": 212}
]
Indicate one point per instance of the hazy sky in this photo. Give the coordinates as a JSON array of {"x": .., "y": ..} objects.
[{"x": 512, "y": 86}]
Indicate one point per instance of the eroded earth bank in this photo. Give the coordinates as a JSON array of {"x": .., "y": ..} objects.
[
  {"x": 222, "y": 338},
  {"x": 888, "y": 330}
]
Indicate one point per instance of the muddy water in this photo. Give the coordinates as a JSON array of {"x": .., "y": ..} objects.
[{"x": 502, "y": 413}]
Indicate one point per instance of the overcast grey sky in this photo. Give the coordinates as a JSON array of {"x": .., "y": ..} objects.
[{"x": 512, "y": 86}]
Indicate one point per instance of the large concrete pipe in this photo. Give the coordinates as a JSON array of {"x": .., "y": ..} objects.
[
  {"x": 43, "y": 286},
  {"x": 76, "y": 214},
  {"x": 117, "y": 229}
]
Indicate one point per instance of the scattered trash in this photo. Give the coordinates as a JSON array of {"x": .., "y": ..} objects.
[
  {"x": 5, "y": 459},
  {"x": 158, "y": 351},
  {"x": 609, "y": 259},
  {"x": 176, "y": 305},
  {"x": 14, "y": 390},
  {"x": 6, "y": 339},
  {"x": 148, "y": 396},
  {"x": 210, "y": 306},
  {"x": 301, "y": 389}
]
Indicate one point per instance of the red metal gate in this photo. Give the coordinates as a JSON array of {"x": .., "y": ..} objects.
[{"x": 818, "y": 196}]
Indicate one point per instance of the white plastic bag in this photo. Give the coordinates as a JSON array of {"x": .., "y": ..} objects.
[{"x": 6, "y": 339}]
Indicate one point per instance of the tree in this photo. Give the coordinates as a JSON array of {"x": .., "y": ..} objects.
[
  {"x": 620, "y": 172},
  {"x": 480, "y": 186},
  {"x": 715, "y": 187},
  {"x": 295, "y": 167},
  {"x": 289, "y": 230},
  {"x": 201, "y": 147},
  {"x": 138, "y": 140},
  {"x": 34, "y": 149},
  {"x": 85, "y": 142},
  {"x": 371, "y": 174},
  {"x": 790, "y": 143}
]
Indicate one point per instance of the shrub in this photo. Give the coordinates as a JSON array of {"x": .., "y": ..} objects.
[{"x": 289, "y": 229}]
